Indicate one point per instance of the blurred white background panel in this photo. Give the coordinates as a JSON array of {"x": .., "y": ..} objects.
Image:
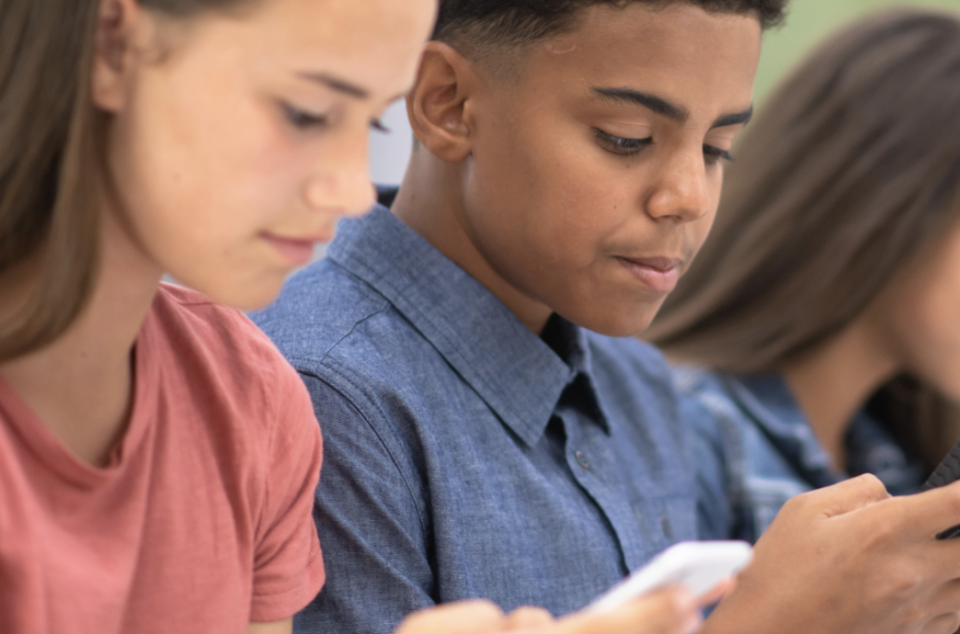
[{"x": 390, "y": 151}]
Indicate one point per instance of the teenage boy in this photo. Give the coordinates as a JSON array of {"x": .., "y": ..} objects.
[{"x": 480, "y": 439}]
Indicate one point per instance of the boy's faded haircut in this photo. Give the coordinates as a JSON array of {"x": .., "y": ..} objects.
[{"x": 476, "y": 24}]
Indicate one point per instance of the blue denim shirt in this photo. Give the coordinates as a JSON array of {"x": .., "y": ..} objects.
[
  {"x": 754, "y": 450},
  {"x": 464, "y": 455}
]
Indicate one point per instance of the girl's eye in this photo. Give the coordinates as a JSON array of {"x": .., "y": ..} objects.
[
  {"x": 377, "y": 125},
  {"x": 715, "y": 154},
  {"x": 620, "y": 145},
  {"x": 303, "y": 120}
]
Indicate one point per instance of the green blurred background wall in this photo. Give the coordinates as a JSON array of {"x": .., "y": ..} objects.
[{"x": 808, "y": 23}]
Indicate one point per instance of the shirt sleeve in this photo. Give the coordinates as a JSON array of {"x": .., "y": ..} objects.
[
  {"x": 288, "y": 566},
  {"x": 372, "y": 529},
  {"x": 714, "y": 517}
]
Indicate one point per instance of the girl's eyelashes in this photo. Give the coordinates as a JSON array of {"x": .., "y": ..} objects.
[
  {"x": 715, "y": 154},
  {"x": 306, "y": 120},
  {"x": 302, "y": 119},
  {"x": 620, "y": 145}
]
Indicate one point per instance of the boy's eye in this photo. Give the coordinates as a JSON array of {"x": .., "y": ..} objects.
[
  {"x": 715, "y": 154},
  {"x": 620, "y": 145},
  {"x": 303, "y": 120}
]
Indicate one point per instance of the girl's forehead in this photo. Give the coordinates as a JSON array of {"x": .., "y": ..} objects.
[{"x": 375, "y": 42}]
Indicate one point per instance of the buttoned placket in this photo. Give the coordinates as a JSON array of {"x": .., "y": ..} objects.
[{"x": 638, "y": 535}]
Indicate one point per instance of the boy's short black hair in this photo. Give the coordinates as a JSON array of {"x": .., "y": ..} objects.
[{"x": 523, "y": 22}]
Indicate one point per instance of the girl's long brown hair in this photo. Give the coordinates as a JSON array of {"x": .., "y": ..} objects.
[
  {"x": 50, "y": 158},
  {"x": 850, "y": 169}
]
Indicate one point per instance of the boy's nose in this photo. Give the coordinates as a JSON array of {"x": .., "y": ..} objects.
[{"x": 681, "y": 193}]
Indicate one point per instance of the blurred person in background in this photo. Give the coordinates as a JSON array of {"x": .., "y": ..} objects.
[{"x": 818, "y": 327}]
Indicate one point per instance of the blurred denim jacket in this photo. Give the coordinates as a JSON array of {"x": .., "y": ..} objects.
[{"x": 754, "y": 450}]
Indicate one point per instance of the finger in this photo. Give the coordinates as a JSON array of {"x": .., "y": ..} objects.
[
  {"x": 526, "y": 617},
  {"x": 465, "y": 617},
  {"x": 849, "y": 495},
  {"x": 932, "y": 511},
  {"x": 666, "y": 611}
]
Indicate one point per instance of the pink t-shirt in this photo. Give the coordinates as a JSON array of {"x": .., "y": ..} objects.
[{"x": 200, "y": 523}]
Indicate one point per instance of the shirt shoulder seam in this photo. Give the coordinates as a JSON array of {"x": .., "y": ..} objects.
[{"x": 366, "y": 419}]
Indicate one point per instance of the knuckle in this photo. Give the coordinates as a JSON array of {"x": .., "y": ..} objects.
[
  {"x": 952, "y": 501},
  {"x": 799, "y": 503},
  {"x": 871, "y": 485}
]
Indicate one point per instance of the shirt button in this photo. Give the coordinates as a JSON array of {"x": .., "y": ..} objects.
[
  {"x": 582, "y": 460},
  {"x": 666, "y": 527}
]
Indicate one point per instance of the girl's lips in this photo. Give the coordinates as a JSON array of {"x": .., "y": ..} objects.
[
  {"x": 657, "y": 274},
  {"x": 298, "y": 250}
]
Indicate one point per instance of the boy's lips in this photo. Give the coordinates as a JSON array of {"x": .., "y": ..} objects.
[
  {"x": 298, "y": 250},
  {"x": 658, "y": 274}
]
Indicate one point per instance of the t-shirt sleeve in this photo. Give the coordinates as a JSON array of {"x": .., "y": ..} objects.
[{"x": 288, "y": 566}]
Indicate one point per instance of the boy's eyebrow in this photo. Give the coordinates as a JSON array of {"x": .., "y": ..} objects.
[
  {"x": 337, "y": 84},
  {"x": 650, "y": 102},
  {"x": 734, "y": 119},
  {"x": 663, "y": 107}
]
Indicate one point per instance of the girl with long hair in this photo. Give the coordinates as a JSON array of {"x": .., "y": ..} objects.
[{"x": 819, "y": 324}]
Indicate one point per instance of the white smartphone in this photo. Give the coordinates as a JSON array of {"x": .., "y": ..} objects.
[{"x": 699, "y": 566}]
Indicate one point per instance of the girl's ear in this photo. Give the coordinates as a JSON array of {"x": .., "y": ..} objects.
[
  {"x": 117, "y": 24},
  {"x": 439, "y": 103}
]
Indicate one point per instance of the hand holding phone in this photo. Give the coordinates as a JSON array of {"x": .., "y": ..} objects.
[{"x": 697, "y": 566}]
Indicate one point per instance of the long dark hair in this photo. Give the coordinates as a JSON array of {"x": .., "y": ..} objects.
[
  {"x": 852, "y": 167},
  {"x": 50, "y": 158}
]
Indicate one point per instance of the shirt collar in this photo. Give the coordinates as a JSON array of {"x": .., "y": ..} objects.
[
  {"x": 870, "y": 447},
  {"x": 771, "y": 404},
  {"x": 514, "y": 371}
]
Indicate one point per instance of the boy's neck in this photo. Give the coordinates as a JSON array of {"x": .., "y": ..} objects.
[{"x": 432, "y": 202}]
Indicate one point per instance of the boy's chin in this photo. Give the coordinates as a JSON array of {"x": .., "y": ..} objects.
[{"x": 616, "y": 322}]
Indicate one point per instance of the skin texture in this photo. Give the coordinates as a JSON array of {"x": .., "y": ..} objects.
[
  {"x": 910, "y": 327},
  {"x": 567, "y": 208},
  {"x": 513, "y": 183}
]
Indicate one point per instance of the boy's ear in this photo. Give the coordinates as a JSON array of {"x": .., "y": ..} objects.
[
  {"x": 117, "y": 23},
  {"x": 438, "y": 105}
]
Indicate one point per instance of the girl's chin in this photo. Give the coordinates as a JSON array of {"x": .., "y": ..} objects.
[{"x": 245, "y": 295}]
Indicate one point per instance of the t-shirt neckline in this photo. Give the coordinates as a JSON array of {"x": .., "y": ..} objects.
[{"x": 47, "y": 447}]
